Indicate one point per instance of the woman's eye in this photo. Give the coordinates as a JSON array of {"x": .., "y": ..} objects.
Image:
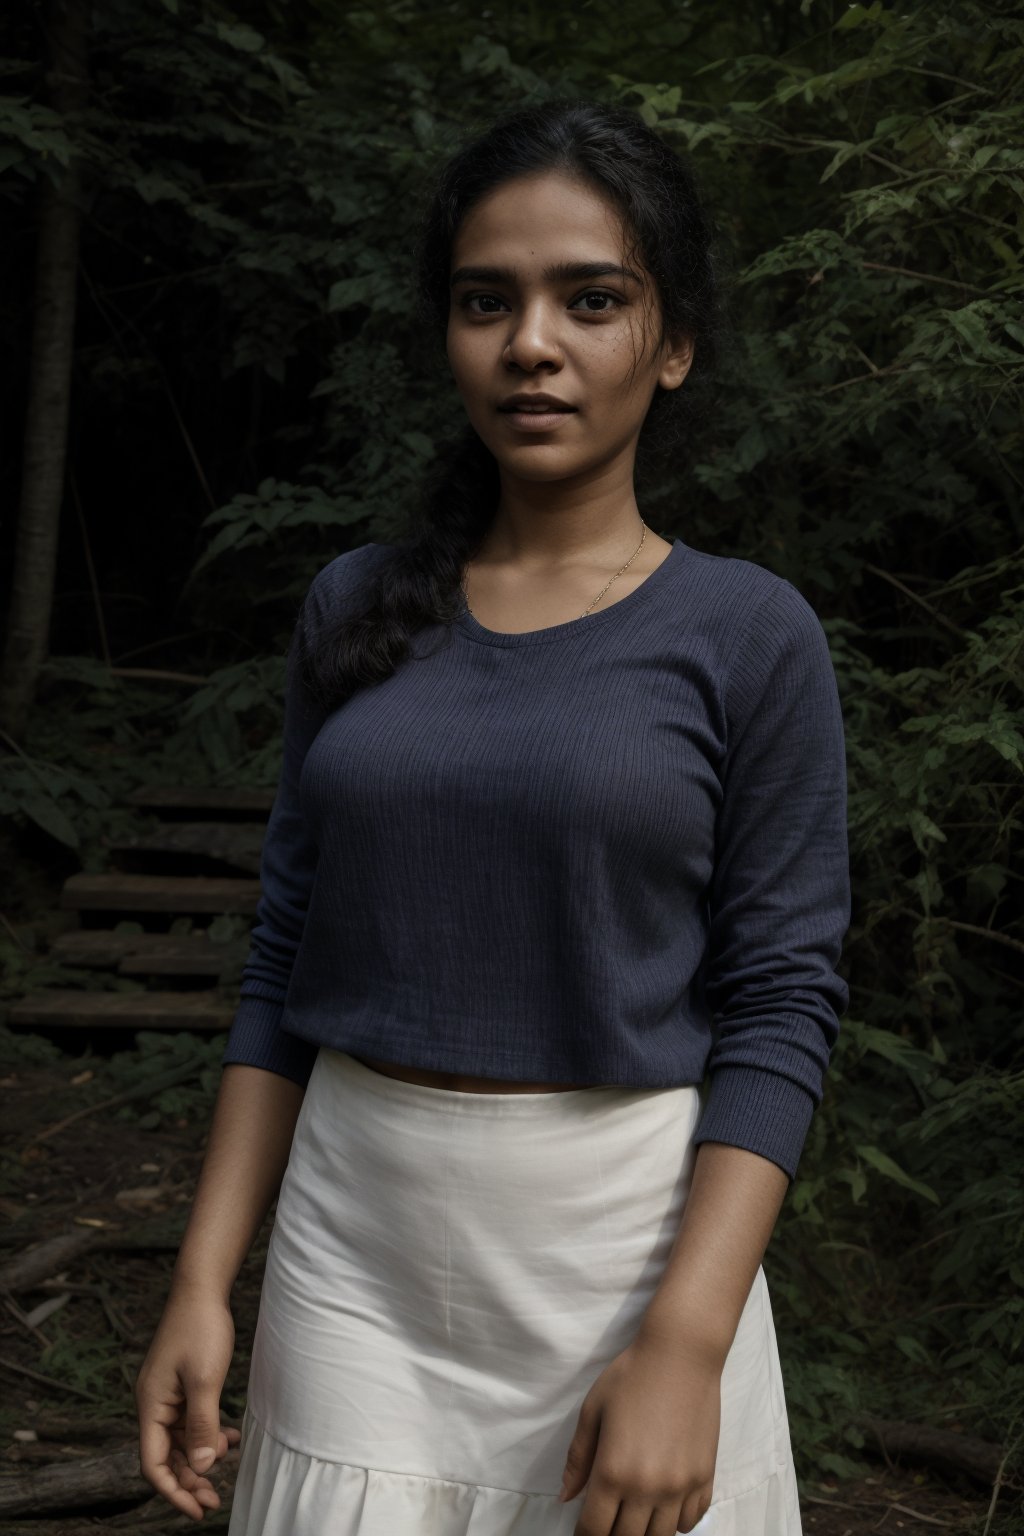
[
  {"x": 595, "y": 293},
  {"x": 486, "y": 298},
  {"x": 606, "y": 302}
]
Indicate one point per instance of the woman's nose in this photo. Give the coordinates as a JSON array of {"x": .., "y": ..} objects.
[{"x": 534, "y": 339}]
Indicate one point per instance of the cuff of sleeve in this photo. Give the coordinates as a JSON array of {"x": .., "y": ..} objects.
[
  {"x": 758, "y": 1110},
  {"x": 256, "y": 1039}
]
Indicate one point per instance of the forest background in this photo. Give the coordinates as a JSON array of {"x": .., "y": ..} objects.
[{"x": 252, "y": 391}]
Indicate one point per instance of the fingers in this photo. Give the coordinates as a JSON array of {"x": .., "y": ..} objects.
[
  {"x": 609, "y": 1507},
  {"x": 694, "y": 1509},
  {"x": 668, "y": 1520},
  {"x": 203, "y": 1434},
  {"x": 194, "y": 1483},
  {"x": 600, "y": 1509},
  {"x": 579, "y": 1458},
  {"x": 164, "y": 1464},
  {"x": 173, "y": 1478},
  {"x": 155, "y": 1464}
]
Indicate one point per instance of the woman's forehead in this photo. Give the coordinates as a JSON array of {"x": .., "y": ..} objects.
[
  {"x": 542, "y": 227},
  {"x": 542, "y": 207}
]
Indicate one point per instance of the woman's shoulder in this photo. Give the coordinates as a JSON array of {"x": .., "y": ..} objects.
[
  {"x": 752, "y": 597},
  {"x": 346, "y": 576}
]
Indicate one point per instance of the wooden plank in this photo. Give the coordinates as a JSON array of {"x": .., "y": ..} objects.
[
  {"x": 200, "y": 797},
  {"x": 233, "y": 842},
  {"x": 121, "y": 1010},
  {"x": 145, "y": 954},
  {"x": 159, "y": 893}
]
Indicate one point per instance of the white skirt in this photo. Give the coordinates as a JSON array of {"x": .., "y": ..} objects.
[{"x": 447, "y": 1275}]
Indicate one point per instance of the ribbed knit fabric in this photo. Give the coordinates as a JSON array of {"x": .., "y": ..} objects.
[{"x": 609, "y": 851}]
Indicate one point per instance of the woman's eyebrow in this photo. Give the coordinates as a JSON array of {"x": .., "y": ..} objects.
[{"x": 560, "y": 272}]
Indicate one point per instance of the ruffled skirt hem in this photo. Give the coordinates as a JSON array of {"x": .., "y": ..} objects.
[{"x": 281, "y": 1491}]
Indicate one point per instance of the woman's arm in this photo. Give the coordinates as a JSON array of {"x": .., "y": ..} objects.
[
  {"x": 178, "y": 1388},
  {"x": 730, "y": 1212},
  {"x": 647, "y": 1438},
  {"x": 247, "y": 1151}
]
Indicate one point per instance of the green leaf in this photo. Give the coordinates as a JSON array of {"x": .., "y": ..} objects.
[
  {"x": 843, "y": 154},
  {"x": 886, "y": 1043},
  {"x": 857, "y": 15},
  {"x": 49, "y": 816},
  {"x": 347, "y": 292},
  {"x": 884, "y": 1164},
  {"x": 420, "y": 443},
  {"x": 238, "y": 35},
  {"x": 923, "y": 830},
  {"x": 914, "y": 1350},
  {"x": 227, "y": 538}
]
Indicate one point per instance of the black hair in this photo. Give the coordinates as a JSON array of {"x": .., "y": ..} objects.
[{"x": 611, "y": 149}]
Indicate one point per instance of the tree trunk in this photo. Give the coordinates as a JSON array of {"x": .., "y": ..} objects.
[{"x": 58, "y": 218}]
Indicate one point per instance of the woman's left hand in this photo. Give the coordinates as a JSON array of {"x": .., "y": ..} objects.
[{"x": 646, "y": 1441}]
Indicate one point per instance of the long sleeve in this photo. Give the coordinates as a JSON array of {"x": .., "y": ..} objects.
[
  {"x": 779, "y": 901},
  {"x": 287, "y": 869}
]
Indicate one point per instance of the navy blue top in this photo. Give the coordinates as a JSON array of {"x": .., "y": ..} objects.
[{"x": 611, "y": 851}]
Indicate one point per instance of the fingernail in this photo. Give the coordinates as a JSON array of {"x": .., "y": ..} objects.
[
  {"x": 562, "y": 1493},
  {"x": 201, "y": 1457}
]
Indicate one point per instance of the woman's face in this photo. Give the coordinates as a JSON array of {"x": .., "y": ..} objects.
[{"x": 528, "y": 317}]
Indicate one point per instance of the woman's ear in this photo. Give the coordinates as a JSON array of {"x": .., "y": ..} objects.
[{"x": 676, "y": 363}]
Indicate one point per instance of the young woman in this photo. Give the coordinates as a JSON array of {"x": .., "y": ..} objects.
[{"x": 560, "y": 834}]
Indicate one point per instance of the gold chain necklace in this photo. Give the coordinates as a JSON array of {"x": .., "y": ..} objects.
[{"x": 603, "y": 590}]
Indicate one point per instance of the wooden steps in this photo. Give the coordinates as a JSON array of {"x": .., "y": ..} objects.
[
  {"x": 145, "y": 954},
  {"x": 74, "y": 1009},
  {"x": 153, "y": 924},
  {"x": 236, "y": 843},
  {"x": 159, "y": 893}
]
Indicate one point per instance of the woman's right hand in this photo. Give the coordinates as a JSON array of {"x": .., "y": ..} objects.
[{"x": 177, "y": 1394}]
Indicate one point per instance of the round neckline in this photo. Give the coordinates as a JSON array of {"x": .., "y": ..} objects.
[{"x": 474, "y": 630}]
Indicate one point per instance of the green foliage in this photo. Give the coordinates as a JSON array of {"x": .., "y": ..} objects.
[
  {"x": 87, "y": 1365},
  {"x": 865, "y": 165},
  {"x": 29, "y": 134},
  {"x": 155, "y": 1055}
]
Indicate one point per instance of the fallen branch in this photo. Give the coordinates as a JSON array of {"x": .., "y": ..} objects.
[
  {"x": 46, "y": 1381},
  {"x": 155, "y": 1084},
  {"x": 27, "y": 1320},
  {"x": 32, "y": 1268},
  {"x": 111, "y": 1478},
  {"x": 71, "y": 1429},
  {"x": 46, "y": 1258},
  {"x": 74, "y": 1484},
  {"x": 944, "y": 1448},
  {"x": 155, "y": 1518}
]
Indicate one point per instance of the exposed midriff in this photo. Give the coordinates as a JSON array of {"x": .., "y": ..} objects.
[{"x": 460, "y": 1083}]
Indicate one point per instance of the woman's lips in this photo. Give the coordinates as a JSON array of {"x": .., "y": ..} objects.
[{"x": 536, "y": 421}]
